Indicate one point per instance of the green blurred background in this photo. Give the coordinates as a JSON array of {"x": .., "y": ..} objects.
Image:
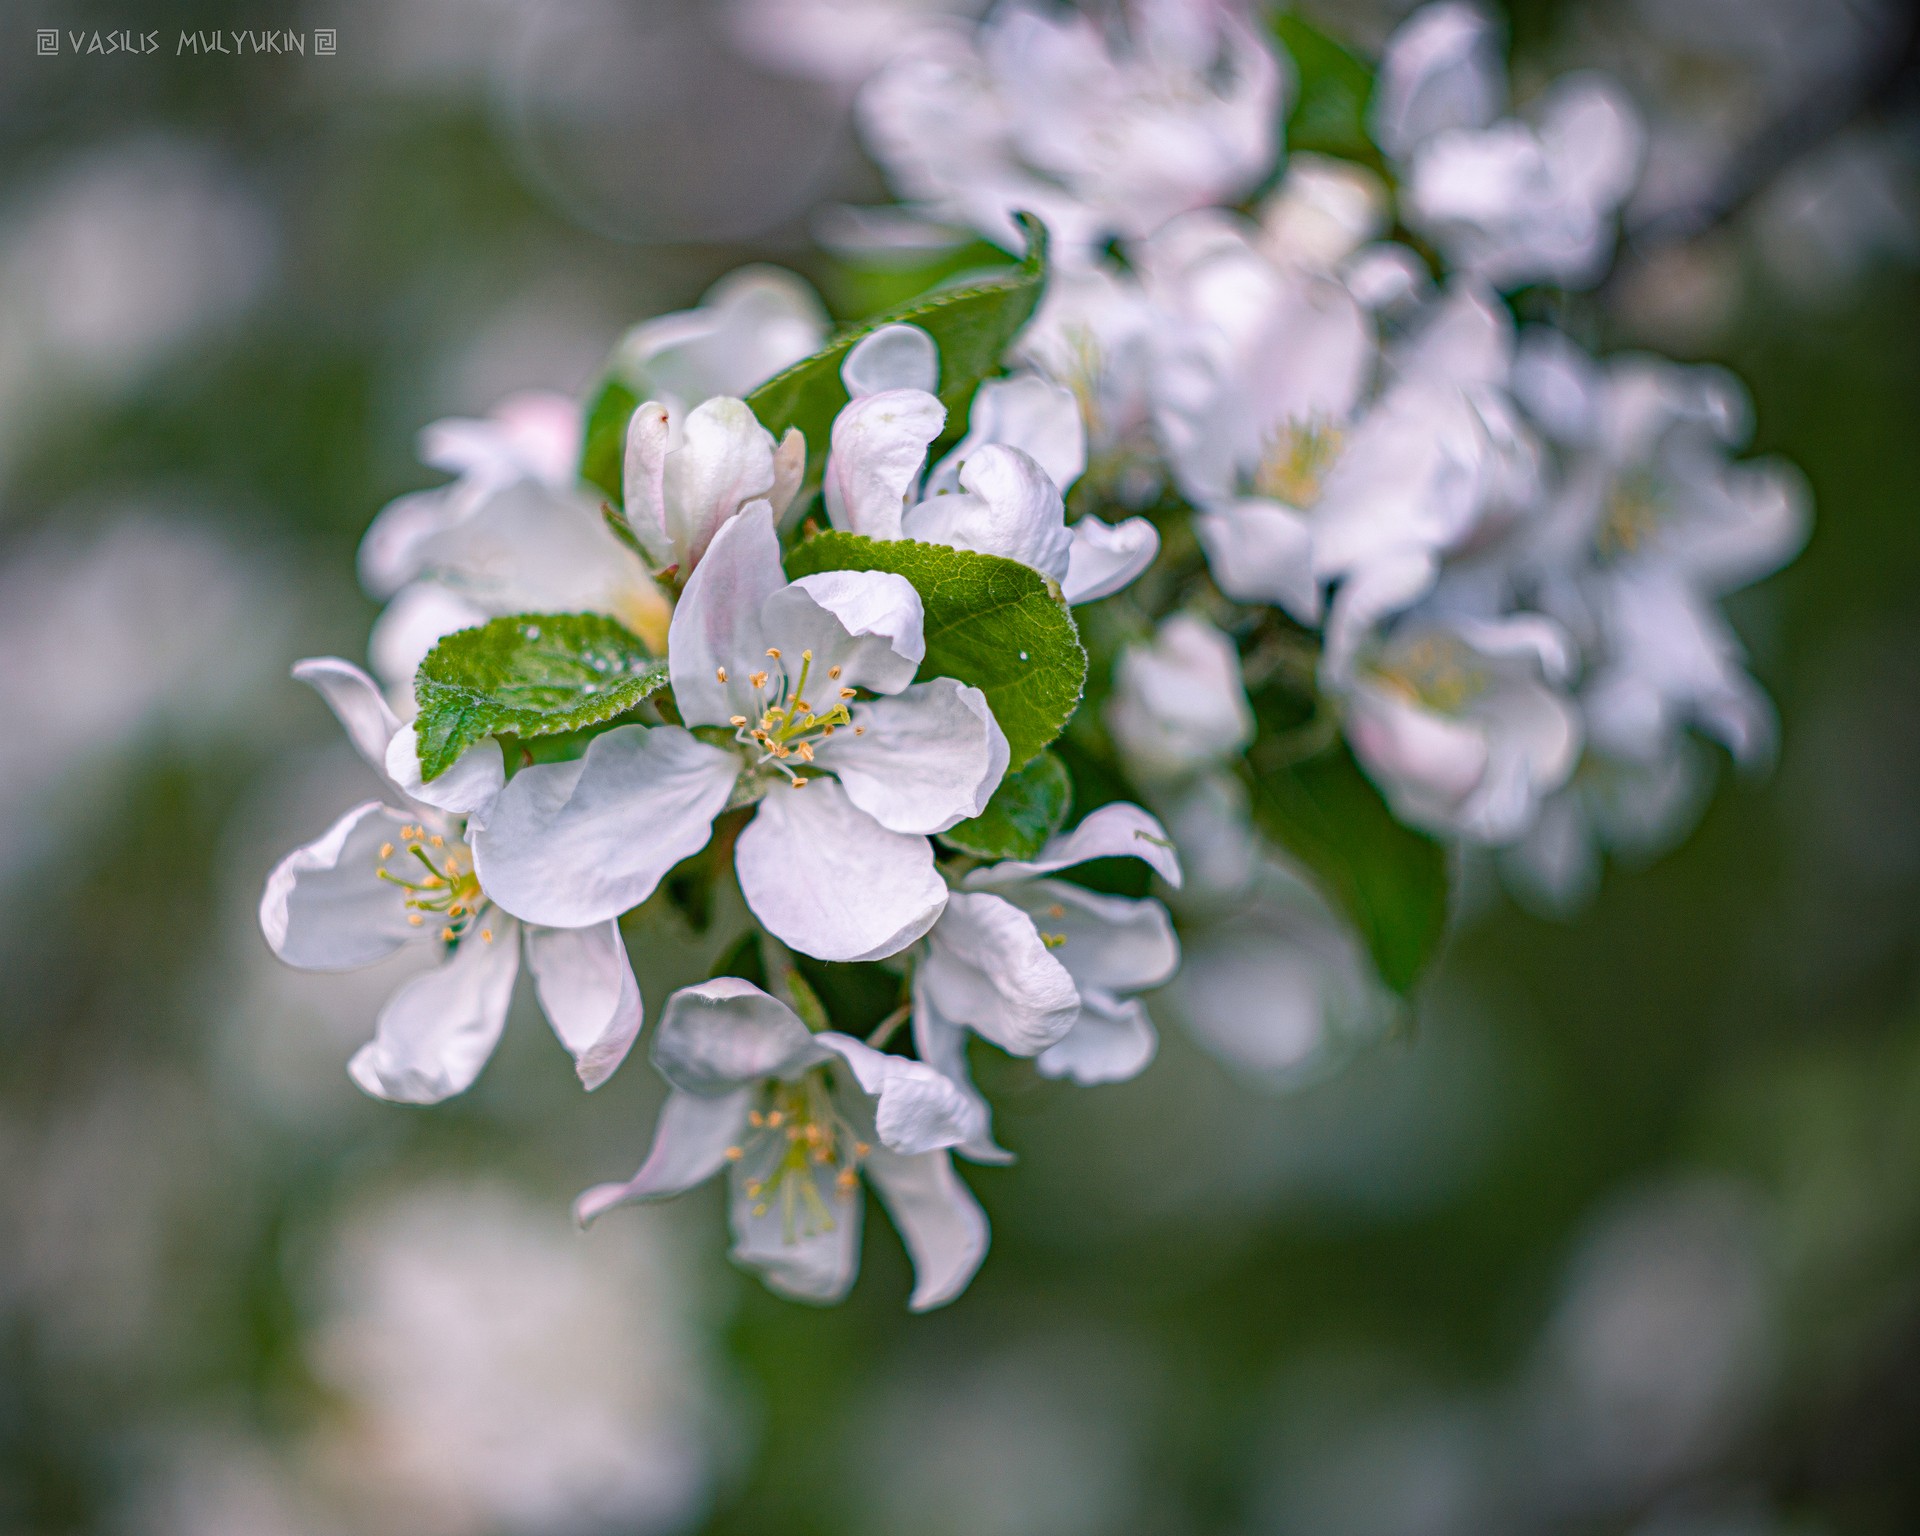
[{"x": 1625, "y": 1237}]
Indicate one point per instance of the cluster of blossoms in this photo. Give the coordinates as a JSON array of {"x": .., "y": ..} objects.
[{"x": 1268, "y": 518}]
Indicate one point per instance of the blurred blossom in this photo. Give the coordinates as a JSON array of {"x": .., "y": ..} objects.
[
  {"x": 142, "y": 630},
  {"x": 497, "y": 1370},
  {"x": 1841, "y": 211},
  {"x": 1661, "y": 1348},
  {"x": 840, "y": 42},
  {"x": 113, "y": 258},
  {"x": 1178, "y": 704},
  {"x": 1039, "y": 1437},
  {"x": 221, "y": 1480},
  {"x": 641, "y": 124}
]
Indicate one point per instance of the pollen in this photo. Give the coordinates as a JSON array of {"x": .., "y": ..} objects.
[
  {"x": 834, "y": 673},
  {"x": 415, "y": 919},
  {"x": 734, "y": 1154},
  {"x": 386, "y": 850},
  {"x": 720, "y": 673},
  {"x": 846, "y": 693},
  {"x": 486, "y": 935},
  {"x": 759, "y": 679},
  {"x": 774, "y": 652}
]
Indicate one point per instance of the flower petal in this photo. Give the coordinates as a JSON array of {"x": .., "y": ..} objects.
[
  {"x": 809, "y": 1251},
  {"x": 325, "y": 908},
  {"x": 1037, "y": 416},
  {"x": 468, "y": 788},
  {"x": 917, "y": 1109},
  {"x": 986, "y": 966},
  {"x": 1104, "y": 559},
  {"x": 879, "y": 444},
  {"x": 419, "y": 618},
  {"x": 866, "y": 624},
  {"x": 1107, "y": 943},
  {"x": 689, "y": 1147},
  {"x": 644, "y": 481},
  {"x": 893, "y": 357},
  {"x": 1112, "y": 1040},
  {"x": 437, "y": 1031},
  {"x": 726, "y": 1034},
  {"x": 830, "y": 881},
  {"x": 1007, "y": 507},
  {"x": 942, "y": 1044},
  {"x": 1262, "y": 552},
  {"x": 572, "y": 844},
  {"x": 938, "y": 1219},
  {"x": 724, "y": 461},
  {"x": 927, "y": 758},
  {"x": 716, "y": 624},
  {"x": 1116, "y": 831},
  {"x": 357, "y": 703},
  {"x": 584, "y": 980}
]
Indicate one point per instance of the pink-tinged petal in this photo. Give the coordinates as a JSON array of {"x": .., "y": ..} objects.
[
  {"x": 569, "y": 845},
  {"x": 916, "y": 1109},
  {"x": 644, "y": 481},
  {"x": 417, "y": 620},
  {"x": 829, "y": 880},
  {"x": 866, "y": 624},
  {"x": 1007, "y": 507},
  {"x": 1407, "y": 749},
  {"x": 986, "y": 966},
  {"x": 724, "y": 462},
  {"x": 468, "y": 788},
  {"x": 1112, "y": 1041},
  {"x": 357, "y": 703},
  {"x": 938, "y": 1219},
  {"x": 689, "y": 1147},
  {"x": 437, "y": 1031},
  {"x": 1116, "y": 831},
  {"x": 726, "y": 1034},
  {"x": 893, "y": 357},
  {"x": 926, "y": 759},
  {"x": 391, "y": 551},
  {"x": 716, "y": 624},
  {"x": 1106, "y": 559},
  {"x": 326, "y": 908},
  {"x": 1262, "y": 552},
  {"x": 879, "y": 445},
  {"x": 809, "y": 1254},
  {"x": 584, "y": 980},
  {"x": 789, "y": 471}
]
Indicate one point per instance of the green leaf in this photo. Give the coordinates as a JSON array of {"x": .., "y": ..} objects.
[
  {"x": 973, "y": 324},
  {"x": 1330, "y": 115},
  {"x": 1027, "y": 809},
  {"x": 1389, "y": 879},
  {"x": 603, "y": 450},
  {"x": 534, "y": 674},
  {"x": 991, "y": 622}
]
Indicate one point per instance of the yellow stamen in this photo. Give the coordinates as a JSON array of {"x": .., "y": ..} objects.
[{"x": 720, "y": 673}]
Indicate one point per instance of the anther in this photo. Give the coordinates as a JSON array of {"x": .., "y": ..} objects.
[
  {"x": 415, "y": 919},
  {"x": 437, "y": 840},
  {"x": 386, "y": 850},
  {"x": 846, "y": 693},
  {"x": 734, "y": 1154},
  {"x": 720, "y": 673},
  {"x": 774, "y": 652},
  {"x": 859, "y": 730},
  {"x": 736, "y": 720},
  {"x": 486, "y": 935},
  {"x": 833, "y": 672},
  {"x": 759, "y": 679}
]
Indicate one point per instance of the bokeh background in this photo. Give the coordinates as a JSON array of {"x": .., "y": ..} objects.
[{"x": 1623, "y": 1237}]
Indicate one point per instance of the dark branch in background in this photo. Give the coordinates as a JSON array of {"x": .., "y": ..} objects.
[{"x": 1883, "y": 85}]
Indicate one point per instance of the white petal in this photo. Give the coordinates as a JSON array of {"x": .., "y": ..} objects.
[
  {"x": 938, "y": 1219},
  {"x": 724, "y": 461},
  {"x": 1007, "y": 507},
  {"x": 1112, "y": 1041},
  {"x": 893, "y": 357},
  {"x": 830, "y": 881},
  {"x": 987, "y": 967},
  {"x": 325, "y": 908},
  {"x": 1028, "y": 412},
  {"x": 868, "y": 624},
  {"x": 1262, "y": 552},
  {"x": 1440, "y": 70},
  {"x": 726, "y": 1034},
  {"x": 1106, "y": 559},
  {"x": 928, "y": 758},
  {"x": 803, "y": 1255},
  {"x": 644, "y": 481},
  {"x": 1116, "y": 831},
  {"x": 789, "y": 471},
  {"x": 584, "y": 980},
  {"x": 1108, "y": 944},
  {"x": 917, "y": 1109},
  {"x": 689, "y": 1147},
  {"x": 467, "y": 788},
  {"x": 572, "y": 844},
  {"x": 716, "y": 624},
  {"x": 942, "y": 1045},
  {"x": 879, "y": 445},
  {"x": 437, "y": 1031},
  {"x": 417, "y": 620},
  {"x": 357, "y": 703},
  {"x": 390, "y": 550}
]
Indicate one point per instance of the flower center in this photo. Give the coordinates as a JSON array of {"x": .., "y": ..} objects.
[
  {"x": 1293, "y": 467},
  {"x": 1436, "y": 672},
  {"x": 441, "y": 887},
  {"x": 785, "y": 726},
  {"x": 799, "y": 1152},
  {"x": 1633, "y": 513}
]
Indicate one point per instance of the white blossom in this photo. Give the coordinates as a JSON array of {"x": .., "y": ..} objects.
[
  {"x": 1048, "y": 969},
  {"x": 747, "y": 327},
  {"x": 1508, "y": 200},
  {"x": 797, "y": 1119},
  {"x": 1179, "y": 705},
  {"x": 1039, "y": 111},
  {"x": 684, "y": 477},
  {"x": 384, "y": 876},
  {"x": 835, "y": 861}
]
